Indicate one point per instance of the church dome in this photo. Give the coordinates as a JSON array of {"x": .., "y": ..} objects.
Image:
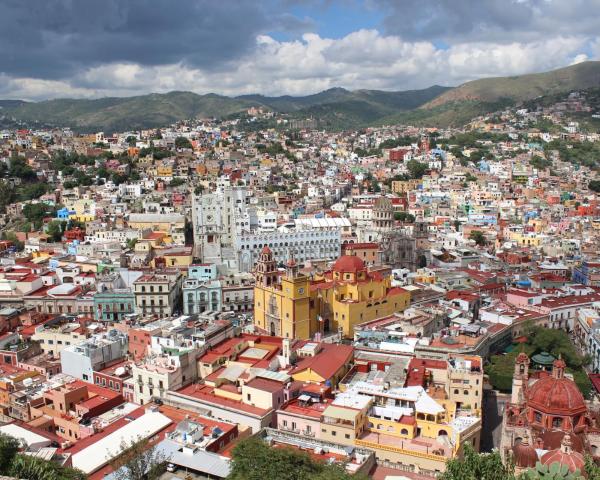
[
  {"x": 556, "y": 395},
  {"x": 348, "y": 264},
  {"x": 524, "y": 454},
  {"x": 565, "y": 455}
]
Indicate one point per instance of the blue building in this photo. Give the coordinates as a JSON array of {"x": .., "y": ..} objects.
[
  {"x": 113, "y": 305},
  {"x": 64, "y": 213},
  {"x": 202, "y": 291}
]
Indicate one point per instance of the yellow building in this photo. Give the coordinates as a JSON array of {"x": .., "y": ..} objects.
[
  {"x": 292, "y": 306},
  {"x": 529, "y": 239},
  {"x": 351, "y": 294},
  {"x": 281, "y": 304}
]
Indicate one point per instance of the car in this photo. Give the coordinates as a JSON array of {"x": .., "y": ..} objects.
[{"x": 171, "y": 467}]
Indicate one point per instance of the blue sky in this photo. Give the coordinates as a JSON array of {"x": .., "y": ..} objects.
[
  {"x": 335, "y": 19},
  {"x": 91, "y": 48}
]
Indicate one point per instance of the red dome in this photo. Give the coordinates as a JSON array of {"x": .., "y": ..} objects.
[
  {"x": 348, "y": 264},
  {"x": 565, "y": 456},
  {"x": 558, "y": 396},
  {"x": 522, "y": 358},
  {"x": 524, "y": 454}
]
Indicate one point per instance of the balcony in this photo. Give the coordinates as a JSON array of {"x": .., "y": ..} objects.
[{"x": 284, "y": 428}]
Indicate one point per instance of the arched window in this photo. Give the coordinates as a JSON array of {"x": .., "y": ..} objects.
[
  {"x": 557, "y": 422},
  {"x": 404, "y": 431}
]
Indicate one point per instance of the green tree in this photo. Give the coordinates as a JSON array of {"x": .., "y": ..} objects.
[
  {"x": 182, "y": 142},
  {"x": 9, "y": 447},
  {"x": 253, "y": 459},
  {"x": 20, "y": 169},
  {"x": 176, "y": 182},
  {"x": 404, "y": 217},
  {"x": 594, "y": 185},
  {"x": 7, "y": 194},
  {"x": 25, "y": 466},
  {"x": 477, "y": 466},
  {"x": 55, "y": 230},
  {"x": 416, "y": 168},
  {"x": 139, "y": 460},
  {"x": 35, "y": 212},
  {"x": 478, "y": 237}
]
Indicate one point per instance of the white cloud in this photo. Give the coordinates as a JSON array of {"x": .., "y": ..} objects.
[{"x": 362, "y": 59}]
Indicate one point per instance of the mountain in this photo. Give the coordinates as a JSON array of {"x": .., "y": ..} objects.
[
  {"x": 523, "y": 87},
  {"x": 128, "y": 113},
  {"x": 336, "y": 108},
  {"x": 342, "y": 107},
  {"x": 457, "y": 106}
]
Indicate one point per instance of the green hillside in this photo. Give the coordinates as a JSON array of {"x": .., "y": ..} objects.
[
  {"x": 345, "y": 108},
  {"x": 523, "y": 87},
  {"x": 335, "y": 108}
]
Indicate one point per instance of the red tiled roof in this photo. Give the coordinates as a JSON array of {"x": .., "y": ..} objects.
[{"x": 327, "y": 362}]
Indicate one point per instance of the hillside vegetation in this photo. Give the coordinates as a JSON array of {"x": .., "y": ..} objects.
[
  {"x": 522, "y": 87},
  {"x": 335, "y": 108}
]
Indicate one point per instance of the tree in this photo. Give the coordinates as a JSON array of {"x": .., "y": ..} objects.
[
  {"x": 477, "y": 466},
  {"x": 9, "y": 447},
  {"x": 138, "y": 460},
  {"x": 176, "y": 182},
  {"x": 253, "y": 459},
  {"x": 35, "y": 212},
  {"x": 20, "y": 169},
  {"x": 25, "y": 466},
  {"x": 55, "y": 230},
  {"x": 416, "y": 168},
  {"x": 478, "y": 237},
  {"x": 182, "y": 142},
  {"x": 594, "y": 186},
  {"x": 404, "y": 217}
]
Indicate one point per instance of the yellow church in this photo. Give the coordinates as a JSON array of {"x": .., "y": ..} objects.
[{"x": 293, "y": 306}]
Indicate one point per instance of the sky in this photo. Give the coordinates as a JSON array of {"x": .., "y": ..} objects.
[{"x": 98, "y": 48}]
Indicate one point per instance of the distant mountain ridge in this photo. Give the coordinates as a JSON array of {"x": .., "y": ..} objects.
[
  {"x": 155, "y": 110},
  {"x": 336, "y": 108}
]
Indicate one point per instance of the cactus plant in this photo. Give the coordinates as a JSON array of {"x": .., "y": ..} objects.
[{"x": 555, "y": 471}]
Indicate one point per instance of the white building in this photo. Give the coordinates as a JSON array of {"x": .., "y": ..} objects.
[
  {"x": 304, "y": 245},
  {"x": 96, "y": 353},
  {"x": 214, "y": 218}
]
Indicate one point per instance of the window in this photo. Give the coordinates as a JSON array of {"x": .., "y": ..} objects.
[
  {"x": 333, "y": 433},
  {"x": 347, "y": 435},
  {"x": 248, "y": 397}
]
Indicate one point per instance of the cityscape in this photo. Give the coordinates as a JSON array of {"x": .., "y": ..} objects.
[{"x": 233, "y": 266}]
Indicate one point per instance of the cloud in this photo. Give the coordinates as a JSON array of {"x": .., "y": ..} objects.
[
  {"x": 86, "y": 48},
  {"x": 54, "y": 39},
  {"x": 362, "y": 59},
  {"x": 499, "y": 21}
]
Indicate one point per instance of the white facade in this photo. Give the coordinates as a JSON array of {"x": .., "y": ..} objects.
[
  {"x": 214, "y": 219},
  {"x": 304, "y": 245}
]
